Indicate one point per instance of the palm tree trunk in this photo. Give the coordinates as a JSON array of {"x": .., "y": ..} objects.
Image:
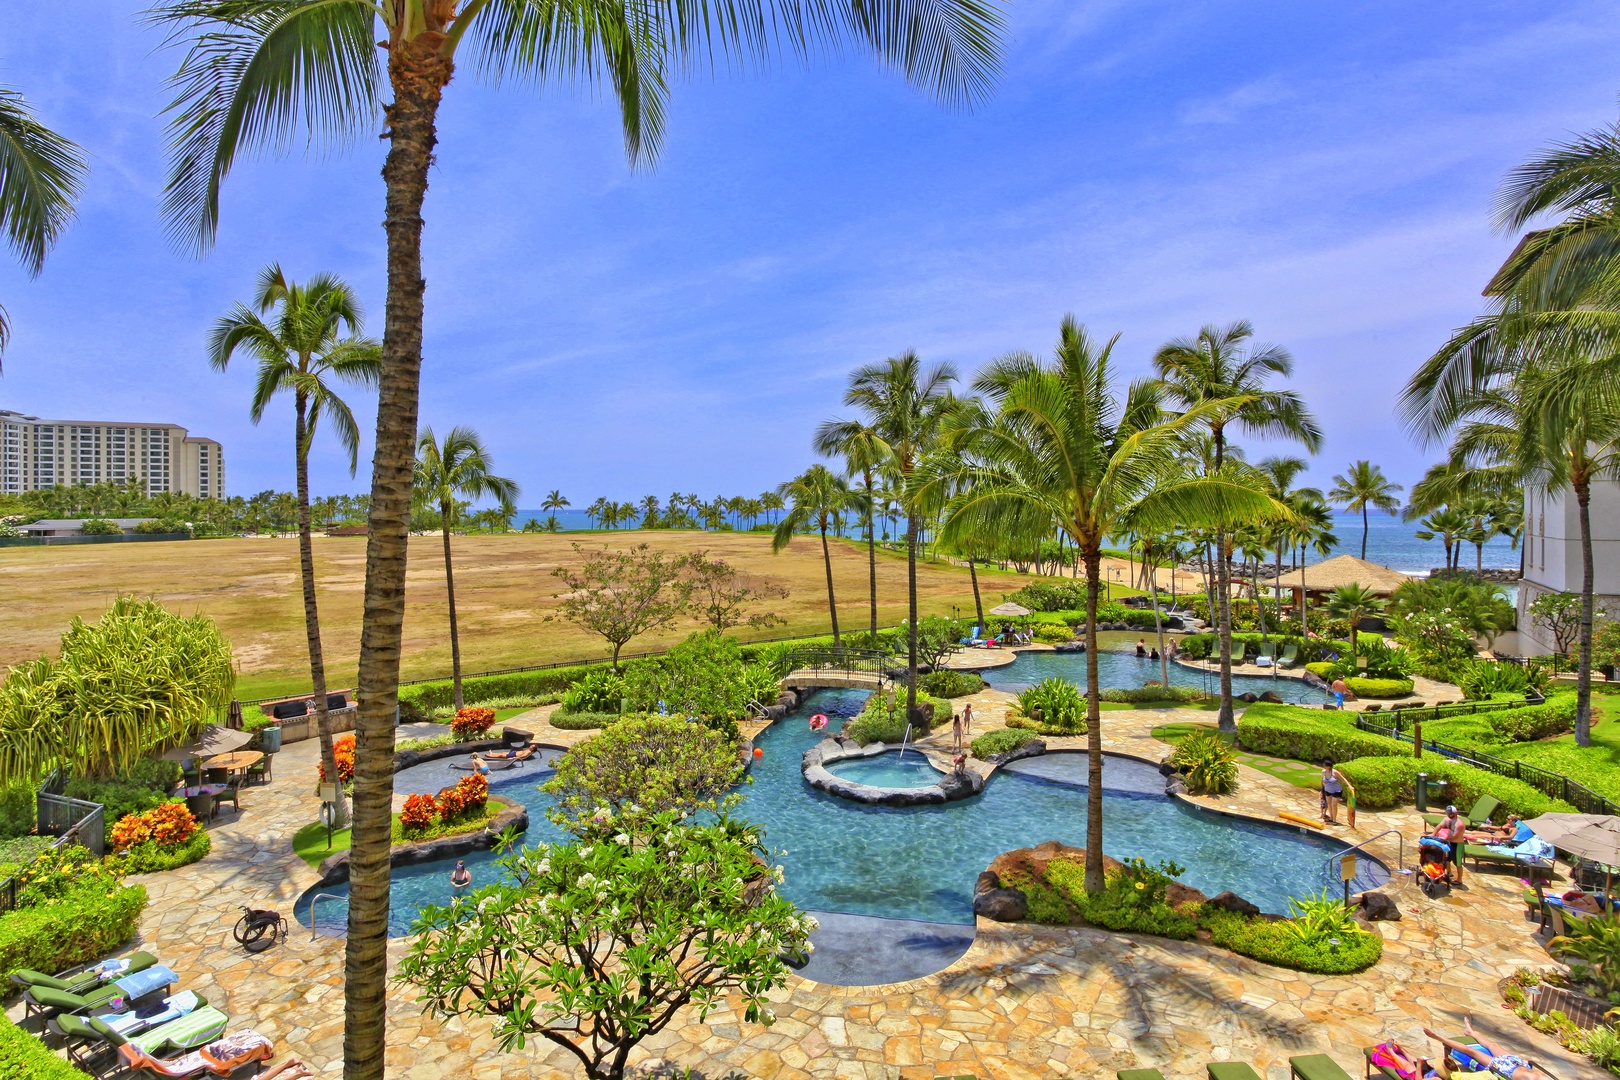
[
  {"x": 312, "y": 619},
  {"x": 978, "y": 604},
  {"x": 832, "y": 603},
  {"x": 1094, "y": 758},
  {"x": 1158, "y": 628},
  {"x": 911, "y": 614},
  {"x": 418, "y": 75},
  {"x": 871, "y": 556},
  {"x": 450, "y": 593},
  {"x": 1583, "y": 682},
  {"x": 1363, "y": 530},
  {"x": 1223, "y": 588}
]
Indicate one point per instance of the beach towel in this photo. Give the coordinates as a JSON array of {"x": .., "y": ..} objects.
[
  {"x": 216, "y": 1059},
  {"x": 1534, "y": 849},
  {"x": 192, "y": 1029},
  {"x": 141, "y": 983},
  {"x": 172, "y": 1009}
]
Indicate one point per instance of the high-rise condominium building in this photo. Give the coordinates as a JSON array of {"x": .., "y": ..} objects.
[{"x": 37, "y": 453}]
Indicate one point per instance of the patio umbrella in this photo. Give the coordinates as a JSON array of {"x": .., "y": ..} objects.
[
  {"x": 1009, "y": 608},
  {"x": 1589, "y": 836},
  {"x": 233, "y": 715},
  {"x": 211, "y": 740}
]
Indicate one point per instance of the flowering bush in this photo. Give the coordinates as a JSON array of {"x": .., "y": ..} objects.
[
  {"x": 418, "y": 813},
  {"x": 167, "y": 825},
  {"x": 472, "y": 721},
  {"x": 343, "y": 751},
  {"x": 468, "y": 796}
]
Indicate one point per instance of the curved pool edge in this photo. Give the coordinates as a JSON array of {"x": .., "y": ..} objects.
[{"x": 951, "y": 786}]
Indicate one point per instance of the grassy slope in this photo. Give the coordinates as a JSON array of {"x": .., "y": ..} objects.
[
  {"x": 504, "y": 585},
  {"x": 1597, "y": 766}
]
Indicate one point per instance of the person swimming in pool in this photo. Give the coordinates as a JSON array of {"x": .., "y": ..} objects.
[
  {"x": 460, "y": 877},
  {"x": 1141, "y": 646}
]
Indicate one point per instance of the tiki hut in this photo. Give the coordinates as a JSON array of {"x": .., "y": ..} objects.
[{"x": 1326, "y": 576}]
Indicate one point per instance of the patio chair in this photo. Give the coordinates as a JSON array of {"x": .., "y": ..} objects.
[
  {"x": 1231, "y": 1070},
  {"x": 237, "y": 1053},
  {"x": 1265, "y": 659},
  {"x": 1481, "y": 811},
  {"x": 232, "y": 789},
  {"x": 1289, "y": 657},
  {"x": 1316, "y": 1067},
  {"x": 972, "y": 638},
  {"x": 260, "y": 773}
]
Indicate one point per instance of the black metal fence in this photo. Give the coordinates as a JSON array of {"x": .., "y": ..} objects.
[
  {"x": 840, "y": 658},
  {"x": 70, "y": 821},
  {"x": 1554, "y": 785}
]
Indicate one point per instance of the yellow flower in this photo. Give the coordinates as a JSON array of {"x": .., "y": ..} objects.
[{"x": 1141, "y": 885}]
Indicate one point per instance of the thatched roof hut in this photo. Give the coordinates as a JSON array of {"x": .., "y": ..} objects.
[{"x": 1343, "y": 570}]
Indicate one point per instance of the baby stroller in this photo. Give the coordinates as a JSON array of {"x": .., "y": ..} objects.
[{"x": 1434, "y": 865}]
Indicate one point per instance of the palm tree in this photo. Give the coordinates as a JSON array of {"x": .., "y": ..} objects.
[
  {"x": 257, "y": 73},
  {"x": 1220, "y": 365},
  {"x": 1277, "y": 475},
  {"x": 1449, "y": 524},
  {"x": 819, "y": 498},
  {"x": 40, "y": 176},
  {"x": 554, "y": 500},
  {"x": 865, "y": 455},
  {"x": 1361, "y": 486},
  {"x": 906, "y": 408},
  {"x": 458, "y": 466},
  {"x": 1063, "y": 446},
  {"x": 1312, "y": 530},
  {"x": 1354, "y": 603},
  {"x": 313, "y": 340}
]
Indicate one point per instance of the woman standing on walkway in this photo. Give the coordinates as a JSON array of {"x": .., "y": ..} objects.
[{"x": 1334, "y": 785}]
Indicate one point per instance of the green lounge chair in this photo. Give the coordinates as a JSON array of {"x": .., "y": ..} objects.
[
  {"x": 194, "y": 1029},
  {"x": 1316, "y": 1067},
  {"x": 1383, "y": 1070},
  {"x": 44, "y": 1002},
  {"x": 1481, "y": 853},
  {"x": 1231, "y": 1070},
  {"x": 92, "y": 1043},
  {"x": 1289, "y": 657},
  {"x": 1140, "y": 1074},
  {"x": 81, "y": 980},
  {"x": 1480, "y": 812}
]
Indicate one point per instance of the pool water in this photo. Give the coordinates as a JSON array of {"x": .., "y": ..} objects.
[
  {"x": 1126, "y": 670},
  {"x": 921, "y": 862},
  {"x": 891, "y": 769}
]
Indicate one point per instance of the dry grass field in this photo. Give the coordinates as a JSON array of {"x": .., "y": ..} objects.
[{"x": 504, "y": 590}]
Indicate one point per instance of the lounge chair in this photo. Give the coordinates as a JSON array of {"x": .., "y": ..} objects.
[
  {"x": 237, "y": 1052},
  {"x": 972, "y": 638},
  {"x": 188, "y": 1022},
  {"x": 81, "y": 980},
  {"x": 1482, "y": 854},
  {"x": 1231, "y": 1070},
  {"x": 1140, "y": 1074},
  {"x": 1289, "y": 657},
  {"x": 144, "y": 987},
  {"x": 1240, "y": 652},
  {"x": 1477, "y": 814},
  {"x": 1265, "y": 659},
  {"x": 1316, "y": 1067}
]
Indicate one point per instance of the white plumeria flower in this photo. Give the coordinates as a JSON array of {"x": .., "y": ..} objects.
[{"x": 622, "y": 839}]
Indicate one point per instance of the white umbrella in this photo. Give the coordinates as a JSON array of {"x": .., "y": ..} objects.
[{"x": 1009, "y": 608}]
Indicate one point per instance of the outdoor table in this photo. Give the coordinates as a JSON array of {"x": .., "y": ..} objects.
[{"x": 240, "y": 761}]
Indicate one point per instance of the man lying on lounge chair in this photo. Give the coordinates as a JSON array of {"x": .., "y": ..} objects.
[{"x": 522, "y": 753}]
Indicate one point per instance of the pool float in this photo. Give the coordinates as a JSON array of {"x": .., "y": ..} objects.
[
  {"x": 818, "y": 721},
  {"x": 758, "y": 752},
  {"x": 1297, "y": 820}
]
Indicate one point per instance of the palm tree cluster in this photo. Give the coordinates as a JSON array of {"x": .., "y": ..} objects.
[
  {"x": 683, "y": 511},
  {"x": 1527, "y": 396}
]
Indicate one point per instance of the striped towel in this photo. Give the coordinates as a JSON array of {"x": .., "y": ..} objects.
[
  {"x": 173, "y": 1008},
  {"x": 141, "y": 983},
  {"x": 193, "y": 1029}
]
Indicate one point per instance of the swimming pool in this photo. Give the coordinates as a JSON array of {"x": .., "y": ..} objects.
[
  {"x": 921, "y": 862},
  {"x": 890, "y": 769},
  {"x": 1126, "y": 670}
]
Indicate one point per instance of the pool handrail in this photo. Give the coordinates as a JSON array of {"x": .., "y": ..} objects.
[
  {"x": 317, "y": 898},
  {"x": 1400, "y": 850}
]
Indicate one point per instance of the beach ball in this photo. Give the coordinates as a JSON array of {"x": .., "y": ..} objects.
[{"x": 758, "y": 752}]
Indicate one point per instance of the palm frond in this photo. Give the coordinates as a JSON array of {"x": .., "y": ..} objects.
[{"x": 40, "y": 176}]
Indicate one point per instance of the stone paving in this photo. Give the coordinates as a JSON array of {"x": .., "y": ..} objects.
[{"x": 1024, "y": 1002}]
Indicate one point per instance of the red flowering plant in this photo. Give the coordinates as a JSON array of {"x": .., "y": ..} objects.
[
  {"x": 471, "y": 722},
  {"x": 450, "y": 802},
  {"x": 418, "y": 813},
  {"x": 166, "y": 825},
  {"x": 474, "y": 791},
  {"x": 343, "y": 752}
]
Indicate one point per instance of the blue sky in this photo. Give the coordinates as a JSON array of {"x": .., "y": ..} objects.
[{"x": 1325, "y": 171}]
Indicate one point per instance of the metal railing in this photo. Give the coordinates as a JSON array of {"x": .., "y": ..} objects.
[
  {"x": 1554, "y": 785},
  {"x": 70, "y": 821},
  {"x": 317, "y": 898},
  {"x": 1329, "y": 873},
  {"x": 834, "y": 658}
]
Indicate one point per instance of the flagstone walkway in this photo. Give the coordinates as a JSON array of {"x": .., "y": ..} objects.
[{"x": 1024, "y": 1002}]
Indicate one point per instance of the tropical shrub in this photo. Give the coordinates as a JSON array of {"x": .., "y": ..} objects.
[
  {"x": 343, "y": 754},
  {"x": 1480, "y": 608},
  {"x": 472, "y": 721},
  {"x": 1207, "y": 762},
  {"x": 417, "y": 814},
  {"x": 472, "y": 793},
  {"x": 1000, "y": 742},
  {"x": 119, "y": 797},
  {"x": 136, "y": 680},
  {"x": 1285, "y": 945},
  {"x": 520, "y": 687},
  {"x": 1153, "y": 691},
  {"x": 1381, "y": 661},
  {"x": 1055, "y": 704},
  {"x": 1132, "y": 899},
  {"x": 1041, "y": 596},
  {"x": 24, "y": 1057},
  {"x": 165, "y": 825},
  {"x": 1483, "y": 679},
  {"x": 1441, "y": 647},
  {"x": 1328, "y": 670},
  {"x": 600, "y": 691},
  {"x": 608, "y": 939},
  {"x": 148, "y": 857},
  {"x": 1592, "y": 946},
  {"x": 161, "y": 527},
  {"x": 884, "y": 717},
  {"x": 704, "y": 676},
  {"x": 1385, "y": 782},
  {"x": 1378, "y": 688},
  {"x": 946, "y": 683},
  {"x": 1052, "y": 633},
  {"x": 654, "y": 763},
  {"x": 100, "y": 527},
  {"x": 18, "y": 805},
  {"x": 582, "y": 721},
  {"x": 71, "y": 909},
  {"x": 1310, "y": 735},
  {"x": 1606, "y": 644}
]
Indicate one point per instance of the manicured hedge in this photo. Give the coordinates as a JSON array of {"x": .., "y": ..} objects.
[
  {"x": 24, "y": 1057},
  {"x": 433, "y": 695},
  {"x": 1322, "y": 669},
  {"x": 1278, "y": 943},
  {"x": 582, "y": 721},
  {"x": 1382, "y": 783},
  {"x": 1310, "y": 735},
  {"x": 1589, "y": 767},
  {"x": 1378, "y": 688},
  {"x": 81, "y": 926},
  {"x": 1155, "y": 692},
  {"x": 999, "y": 742}
]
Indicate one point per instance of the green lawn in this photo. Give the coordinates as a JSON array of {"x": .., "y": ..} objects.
[
  {"x": 1298, "y": 773},
  {"x": 1596, "y": 766},
  {"x": 310, "y": 844}
]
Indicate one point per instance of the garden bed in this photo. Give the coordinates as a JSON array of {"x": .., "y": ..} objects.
[{"x": 469, "y": 835}]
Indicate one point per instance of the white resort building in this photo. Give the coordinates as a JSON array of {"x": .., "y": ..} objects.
[
  {"x": 36, "y": 453},
  {"x": 1551, "y": 554}
]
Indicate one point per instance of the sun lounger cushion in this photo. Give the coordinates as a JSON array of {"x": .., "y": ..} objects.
[
  {"x": 220, "y": 1058},
  {"x": 90, "y": 977},
  {"x": 44, "y": 998},
  {"x": 1140, "y": 1074},
  {"x": 193, "y": 1029},
  {"x": 1534, "y": 849},
  {"x": 138, "y": 984},
  {"x": 1316, "y": 1067},
  {"x": 1231, "y": 1070},
  {"x": 127, "y": 1023}
]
